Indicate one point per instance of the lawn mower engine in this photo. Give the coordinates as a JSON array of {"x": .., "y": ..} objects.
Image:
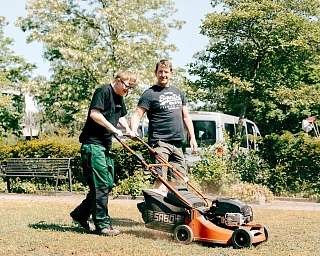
[{"x": 229, "y": 212}]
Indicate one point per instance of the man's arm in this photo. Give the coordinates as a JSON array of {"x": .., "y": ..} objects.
[
  {"x": 124, "y": 123},
  {"x": 97, "y": 116},
  {"x": 188, "y": 123},
  {"x": 136, "y": 117}
]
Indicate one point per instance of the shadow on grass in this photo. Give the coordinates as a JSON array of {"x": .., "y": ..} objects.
[
  {"x": 67, "y": 228},
  {"x": 57, "y": 227},
  {"x": 214, "y": 245}
]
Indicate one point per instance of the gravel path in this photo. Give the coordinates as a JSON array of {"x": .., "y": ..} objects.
[{"x": 73, "y": 197}]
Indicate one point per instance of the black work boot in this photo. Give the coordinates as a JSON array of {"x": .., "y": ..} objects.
[{"x": 82, "y": 222}]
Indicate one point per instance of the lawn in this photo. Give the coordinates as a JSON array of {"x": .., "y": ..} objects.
[{"x": 31, "y": 226}]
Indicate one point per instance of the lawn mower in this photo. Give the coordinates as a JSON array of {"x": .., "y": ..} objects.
[{"x": 190, "y": 216}]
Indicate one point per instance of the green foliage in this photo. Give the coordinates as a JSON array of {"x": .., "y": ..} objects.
[
  {"x": 47, "y": 147},
  {"x": 127, "y": 164},
  {"x": 10, "y": 115},
  {"x": 77, "y": 186},
  {"x": 132, "y": 185},
  {"x": 262, "y": 62},
  {"x": 27, "y": 187},
  {"x": 249, "y": 192},
  {"x": 42, "y": 148},
  {"x": 130, "y": 175},
  {"x": 250, "y": 167},
  {"x": 233, "y": 176},
  {"x": 3, "y": 185},
  {"x": 294, "y": 162},
  {"x": 86, "y": 42},
  {"x": 286, "y": 164},
  {"x": 212, "y": 173},
  {"x": 14, "y": 73}
]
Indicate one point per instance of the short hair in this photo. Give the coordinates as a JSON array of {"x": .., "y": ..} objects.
[
  {"x": 127, "y": 75},
  {"x": 164, "y": 63}
]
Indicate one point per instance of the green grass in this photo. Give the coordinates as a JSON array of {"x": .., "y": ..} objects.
[{"x": 43, "y": 227}]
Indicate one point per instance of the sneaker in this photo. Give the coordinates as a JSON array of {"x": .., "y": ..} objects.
[
  {"x": 82, "y": 222},
  {"x": 109, "y": 231}
]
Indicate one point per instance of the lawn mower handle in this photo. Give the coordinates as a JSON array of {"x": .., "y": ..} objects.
[{"x": 151, "y": 167}]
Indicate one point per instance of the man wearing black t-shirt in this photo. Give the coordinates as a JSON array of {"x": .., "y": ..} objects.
[
  {"x": 107, "y": 109},
  {"x": 167, "y": 112}
]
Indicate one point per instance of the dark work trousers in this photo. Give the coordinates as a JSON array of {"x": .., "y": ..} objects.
[
  {"x": 174, "y": 155},
  {"x": 98, "y": 170}
]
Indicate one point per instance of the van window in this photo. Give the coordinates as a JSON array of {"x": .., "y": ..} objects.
[
  {"x": 244, "y": 137},
  {"x": 251, "y": 135},
  {"x": 230, "y": 129},
  {"x": 205, "y": 132}
]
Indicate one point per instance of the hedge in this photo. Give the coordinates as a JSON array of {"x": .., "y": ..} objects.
[
  {"x": 286, "y": 164},
  {"x": 294, "y": 162},
  {"x": 126, "y": 166}
]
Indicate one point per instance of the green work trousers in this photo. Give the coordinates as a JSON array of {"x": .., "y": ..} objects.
[{"x": 98, "y": 170}]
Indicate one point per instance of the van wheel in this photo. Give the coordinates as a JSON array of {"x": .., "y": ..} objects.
[
  {"x": 183, "y": 234},
  {"x": 241, "y": 238}
]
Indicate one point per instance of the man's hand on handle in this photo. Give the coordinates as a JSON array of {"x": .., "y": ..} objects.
[
  {"x": 193, "y": 145},
  {"x": 118, "y": 132},
  {"x": 131, "y": 133}
]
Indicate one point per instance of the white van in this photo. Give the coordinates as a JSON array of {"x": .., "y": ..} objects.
[{"x": 211, "y": 128}]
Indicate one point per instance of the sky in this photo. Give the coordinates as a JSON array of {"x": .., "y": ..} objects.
[{"x": 188, "y": 40}]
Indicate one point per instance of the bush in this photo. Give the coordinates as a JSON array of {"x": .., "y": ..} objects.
[
  {"x": 3, "y": 185},
  {"x": 294, "y": 162},
  {"x": 250, "y": 167},
  {"x": 47, "y": 147},
  {"x": 43, "y": 148},
  {"x": 212, "y": 172},
  {"x": 27, "y": 187},
  {"x": 248, "y": 192},
  {"x": 232, "y": 175},
  {"x": 286, "y": 164},
  {"x": 132, "y": 185},
  {"x": 126, "y": 165}
]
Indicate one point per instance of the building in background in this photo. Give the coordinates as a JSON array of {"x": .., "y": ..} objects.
[{"x": 31, "y": 124}]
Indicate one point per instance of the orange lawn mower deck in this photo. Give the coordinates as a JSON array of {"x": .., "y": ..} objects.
[{"x": 185, "y": 212}]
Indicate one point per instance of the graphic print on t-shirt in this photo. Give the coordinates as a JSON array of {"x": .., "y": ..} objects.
[{"x": 170, "y": 100}]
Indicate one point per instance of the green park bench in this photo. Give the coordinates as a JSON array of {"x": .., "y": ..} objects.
[{"x": 57, "y": 168}]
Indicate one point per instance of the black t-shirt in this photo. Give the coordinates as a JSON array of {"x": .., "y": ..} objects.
[
  {"x": 112, "y": 108},
  {"x": 164, "y": 111}
]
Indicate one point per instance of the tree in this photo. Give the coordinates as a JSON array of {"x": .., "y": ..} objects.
[
  {"x": 262, "y": 61},
  {"x": 14, "y": 72},
  {"x": 86, "y": 42}
]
